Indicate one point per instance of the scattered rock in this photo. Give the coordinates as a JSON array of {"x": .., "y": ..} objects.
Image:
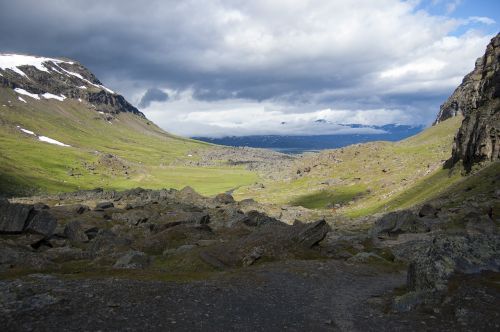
[
  {"x": 256, "y": 218},
  {"x": 133, "y": 260},
  {"x": 74, "y": 232},
  {"x": 253, "y": 256},
  {"x": 103, "y": 206},
  {"x": 365, "y": 257},
  {"x": 224, "y": 198},
  {"x": 427, "y": 210}
]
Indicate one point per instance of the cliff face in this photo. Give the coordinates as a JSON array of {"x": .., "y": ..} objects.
[
  {"x": 478, "y": 100},
  {"x": 60, "y": 77}
]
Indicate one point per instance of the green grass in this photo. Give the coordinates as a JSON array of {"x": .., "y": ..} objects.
[
  {"x": 324, "y": 198},
  {"x": 30, "y": 166}
]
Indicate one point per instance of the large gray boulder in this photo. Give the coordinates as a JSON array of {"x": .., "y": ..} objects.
[
  {"x": 449, "y": 254},
  {"x": 398, "y": 222},
  {"x": 13, "y": 217},
  {"x": 42, "y": 223}
]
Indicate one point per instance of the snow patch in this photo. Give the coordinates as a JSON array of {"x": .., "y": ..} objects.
[
  {"x": 13, "y": 61},
  {"x": 26, "y": 131},
  {"x": 107, "y": 89},
  {"x": 100, "y": 112},
  {"x": 51, "y": 141},
  {"x": 83, "y": 87},
  {"x": 21, "y": 99},
  {"x": 26, "y": 93},
  {"x": 80, "y": 100},
  {"x": 47, "y": 95}
]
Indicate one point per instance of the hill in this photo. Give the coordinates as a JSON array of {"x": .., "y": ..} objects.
[{"x": 62, "y": 130}]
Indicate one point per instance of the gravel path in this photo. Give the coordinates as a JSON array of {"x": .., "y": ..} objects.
[{"x": 291, "y": 296}]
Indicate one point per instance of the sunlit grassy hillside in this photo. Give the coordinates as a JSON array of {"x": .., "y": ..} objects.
[
  {"x": 367, "y": 178},
  {"x": 142, "y": 153}
]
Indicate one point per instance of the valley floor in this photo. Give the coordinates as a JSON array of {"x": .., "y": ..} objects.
[{"x": 325, "y": 295}]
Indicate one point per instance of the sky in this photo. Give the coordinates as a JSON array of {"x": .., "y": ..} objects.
[{"x": 219, "y": 67}]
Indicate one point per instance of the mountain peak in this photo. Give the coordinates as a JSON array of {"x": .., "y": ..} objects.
[{"x": 37, "y": 76}]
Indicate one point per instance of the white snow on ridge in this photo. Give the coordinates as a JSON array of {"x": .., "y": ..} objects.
[
  {"x": 21, "y": 99},
  {"x": 26, "y": 93},
  {"x": 47, "y": 95},
  {"x": 13, "y": 61},
  {"x": 83, "y": 87},
  {"x": 109, "y": 90},
  {"x": 51, "y": 141}
]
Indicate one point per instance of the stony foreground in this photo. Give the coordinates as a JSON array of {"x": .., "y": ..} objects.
[{"x": 175, "y": 260}]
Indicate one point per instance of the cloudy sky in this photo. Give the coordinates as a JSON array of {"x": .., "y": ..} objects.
[{"x": 217, "y": 67}]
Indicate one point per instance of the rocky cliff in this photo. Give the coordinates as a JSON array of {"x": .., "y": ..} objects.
[
  {"x": 477, "y": 99},
  {"x": 46, "y": 78}
]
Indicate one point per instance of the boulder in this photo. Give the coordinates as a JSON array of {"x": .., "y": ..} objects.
[
  {"x": 74, "y": 232},
  {"x": 13, "y": 217},
  {"x": 133, "y": 260},
  {"x": 224, "y": 198},
  {"x": 427, "y": 210},
  {"x": 108, "y": 243},
  {"x": 449, "y": 254},
  {"x": 254, "y": 254},
  {"x": 312, "y": 233},
  {"x": 398, "y": 222},
  {"x": 42, "y": 223},
  {"x": 132, "y": 217},
  {"x": 256, "y": 218},
  {"x": 103, "y": 206}
]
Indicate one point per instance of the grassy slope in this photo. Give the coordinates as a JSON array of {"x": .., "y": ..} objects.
[
  {"x": 28, "y": 165},
  {"x": 412, "y": 175}
]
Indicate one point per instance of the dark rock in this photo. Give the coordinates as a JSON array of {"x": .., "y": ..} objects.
[
  {"x": 427, "y": 210},
  {"x": 108, "y": 243},
  {"x": 133, "y": 260},
  {"x": 103, "y": 206},
  {"x": 253, "y": 256},
  {"x": 132, "y": 217},
  {"x": 42, "y": 223},
  {"x": 92, "y": 232},
  {"x": 312, "y": 233},
  {"x": 398, "y": 222},
  {"x": 13, "y": 217},
  {"x": 256, "y": 218},
  {"x": 40, "y": 206},
  {"x": 74, "y": 232},
  {"x": 224, "y": 198},
  {"x": 477, "y": 99}
]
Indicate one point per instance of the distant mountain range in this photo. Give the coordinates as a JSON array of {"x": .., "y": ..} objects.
[{"x": 299, "y": 144}]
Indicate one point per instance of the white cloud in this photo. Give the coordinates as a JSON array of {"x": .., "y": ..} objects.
[
  {"x": 256, "y": 62},
  {"x": 186, "y": 116}
]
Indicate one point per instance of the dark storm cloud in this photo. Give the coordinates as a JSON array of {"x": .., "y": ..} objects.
[
  {"x": 153, "y": 94},
  {"x": 319, "y": 53}
]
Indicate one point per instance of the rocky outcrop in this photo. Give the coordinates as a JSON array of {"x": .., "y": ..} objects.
[{"x": 477, "y": 99}]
